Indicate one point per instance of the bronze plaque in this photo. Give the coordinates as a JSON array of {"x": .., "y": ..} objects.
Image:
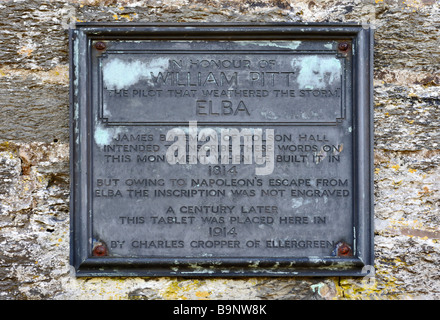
[{"x": 210, "y": 150}]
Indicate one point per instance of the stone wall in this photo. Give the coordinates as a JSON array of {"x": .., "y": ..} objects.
[{"x": 34, "y": 149}]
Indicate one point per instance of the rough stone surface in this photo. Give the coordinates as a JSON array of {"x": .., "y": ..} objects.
[{"x": 34, "y": 151}]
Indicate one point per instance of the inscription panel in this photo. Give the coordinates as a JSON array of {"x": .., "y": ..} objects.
[
  {"x": 222, "y": 83},
  {"x": 220, "y": 156}
]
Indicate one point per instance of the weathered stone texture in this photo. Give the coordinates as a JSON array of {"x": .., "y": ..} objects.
[
  {"x": 406, "y": 117},
  {"x": 34, "y": 155}
]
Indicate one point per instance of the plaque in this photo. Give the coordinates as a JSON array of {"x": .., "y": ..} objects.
[{"x": 221, "y": 149}]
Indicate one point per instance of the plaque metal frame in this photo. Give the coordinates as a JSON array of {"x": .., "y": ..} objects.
[{"x": 81, "y": 88}]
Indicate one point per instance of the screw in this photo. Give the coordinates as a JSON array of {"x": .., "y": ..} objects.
[
  {"x": 344, "y": 250},
  {"x": 343, "y": 46},
  {"x": 100, "y": 250},
  {"x": 100, "y": 45}
]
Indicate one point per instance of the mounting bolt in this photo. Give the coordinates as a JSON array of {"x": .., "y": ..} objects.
[
  {"x": 100, "y": 45},
  {"x": 343, "y": 46},
  {"x": 344, "y": 249},
  {"x": 100, "y": 250}
]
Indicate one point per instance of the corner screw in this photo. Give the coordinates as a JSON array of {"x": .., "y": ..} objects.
[
  {"x": 344, "y": 250},
  {"x": 100, "y": 45},
  {"x": 343, "y": 46},
  {"x": 100, "y": 250}
]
